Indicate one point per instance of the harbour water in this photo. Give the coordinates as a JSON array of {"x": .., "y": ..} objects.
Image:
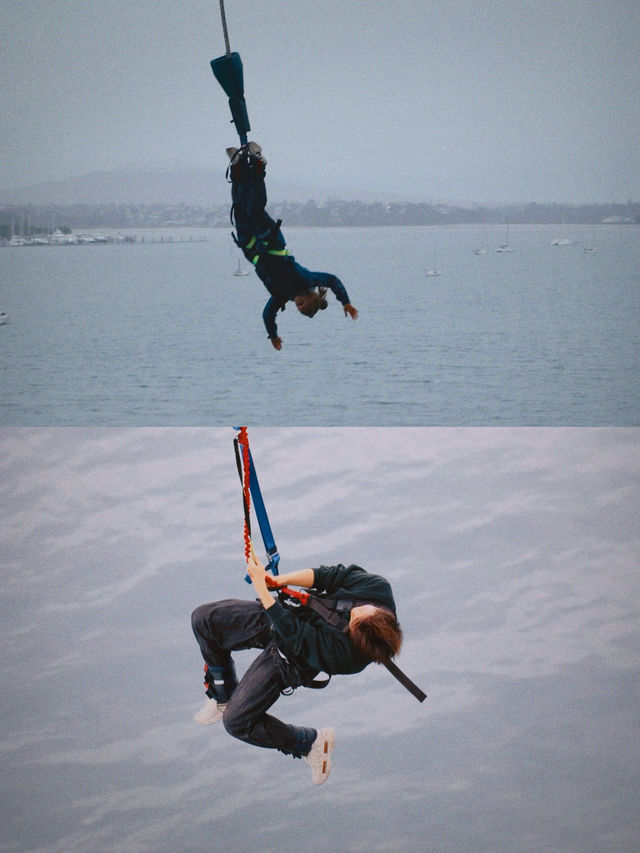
[{"x": 163, "y": 333}]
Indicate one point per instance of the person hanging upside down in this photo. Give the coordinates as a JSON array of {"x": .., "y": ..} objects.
[
  {"x": 297, "y": 644},
  {"x": 263, "y": 244}
]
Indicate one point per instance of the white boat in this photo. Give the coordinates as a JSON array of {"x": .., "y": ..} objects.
[
  {"x": 4, "y": 318},
  {"x": 59, "y": 238},
  {"x": 434, "y": 270},
  {"x": 505, "y": 246},
  {"x": 482, "y": 248},
  {"x": 240, "y": 271},
  {"x": 561, "y": 241}
]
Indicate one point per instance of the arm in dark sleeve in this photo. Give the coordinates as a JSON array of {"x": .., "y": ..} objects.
[
  {"x": 339, "y": 290},
  {"x": 269, "y": 316},
  {"x": 286, "y": 625},
  {"x": 355, "y": 580},
  {"x": 330, "y": 578}
]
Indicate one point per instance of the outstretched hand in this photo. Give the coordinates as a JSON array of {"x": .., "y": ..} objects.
[
  {"x": 350, "y": 311},
  {"x": 277, "y": 343}
]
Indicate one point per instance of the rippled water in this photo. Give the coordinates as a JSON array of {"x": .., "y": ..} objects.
[
  {"x": 513, "y": 559},
  {"x": 164, "y": 334}
]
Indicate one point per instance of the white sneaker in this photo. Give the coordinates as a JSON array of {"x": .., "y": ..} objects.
[
  {"x": 253, "y": 148},
  {"x": 210, "y": 714},
  {"x": 319, "y": 759},
  {"x": 256, "y": 150}
]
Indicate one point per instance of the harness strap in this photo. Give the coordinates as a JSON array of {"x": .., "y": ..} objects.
[
  {"x": 334, "y": 618},
  {"x": 405, "y": 680},
  {"x": 283, "y": 253},
  {"x": 260, "y": 243}
]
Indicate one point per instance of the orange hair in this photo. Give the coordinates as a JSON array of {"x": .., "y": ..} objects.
[{"x": 377, "y": 635}]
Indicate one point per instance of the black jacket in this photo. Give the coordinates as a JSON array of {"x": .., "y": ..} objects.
[{"x": 309, "y": 640}]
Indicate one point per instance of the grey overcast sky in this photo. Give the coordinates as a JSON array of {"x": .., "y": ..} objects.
[{"x": 507, "y": 100}]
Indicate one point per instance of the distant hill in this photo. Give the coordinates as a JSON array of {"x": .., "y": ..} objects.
[
  {"x": 139, "y": 198},
  {"x": 123, "y": 187},
  {"x": 203, "y": 187}
]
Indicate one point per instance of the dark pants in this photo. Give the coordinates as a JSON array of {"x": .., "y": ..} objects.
[
  {"x": 281, "y": 275},
  {"x": 225, "y": 626},
  {"x": 249, "y": 196}
]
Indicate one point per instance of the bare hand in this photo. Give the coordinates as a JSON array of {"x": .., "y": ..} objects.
[
  {"x": 256, "y": 571},
  {"x": 259, "y": 579},
  {"x": 277, "y": 343},
  {"x": 350, "y": 311}
]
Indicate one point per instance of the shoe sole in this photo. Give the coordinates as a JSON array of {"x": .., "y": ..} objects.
[{"x": 327, "y": 748}]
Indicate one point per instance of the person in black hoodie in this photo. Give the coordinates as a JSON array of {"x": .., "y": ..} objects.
[
  {"x": 263, "y": 244},
  {"x": 297, "y": 644}
]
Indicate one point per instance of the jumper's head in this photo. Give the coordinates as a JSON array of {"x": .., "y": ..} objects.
[
  {"x": 375, "y": 632},
  {"x": 311, "y": 301}
]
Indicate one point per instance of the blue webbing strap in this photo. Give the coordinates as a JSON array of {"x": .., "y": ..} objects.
[{"x": 263, "y": 520}]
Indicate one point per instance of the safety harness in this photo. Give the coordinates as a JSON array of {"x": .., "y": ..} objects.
[
  {"x": 258, "y": 245},
  {"x": 337, "y": 611}
]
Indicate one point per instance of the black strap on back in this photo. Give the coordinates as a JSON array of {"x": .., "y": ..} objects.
[
  {"x": 404, "y": 679},
  {"x": 337, "y": 620}
]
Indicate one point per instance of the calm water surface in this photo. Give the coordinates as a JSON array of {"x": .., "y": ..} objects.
[{"x": 164, "y": 334}]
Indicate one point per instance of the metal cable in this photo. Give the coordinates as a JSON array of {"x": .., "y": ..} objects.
[{"x": 224, "y": 28}]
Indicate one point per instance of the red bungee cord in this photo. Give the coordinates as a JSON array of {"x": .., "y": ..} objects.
[{"x": 243, "y": 441}]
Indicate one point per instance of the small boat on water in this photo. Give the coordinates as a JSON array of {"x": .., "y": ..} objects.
[
  {"x": 434, "y": 270},
  {"x": 240, "y": 271},
  {"x": 505, "y": 246},
  {"x": 482, "y": 248},
  {"x": 4, "y": 318}
]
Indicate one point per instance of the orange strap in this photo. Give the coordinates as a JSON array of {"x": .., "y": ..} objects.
[{"x": 243, "y": 440}]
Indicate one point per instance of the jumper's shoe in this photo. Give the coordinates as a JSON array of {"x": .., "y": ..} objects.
[
  {"x": 210, "y": 714},
  {"x": 256, "y": 151},
  {"x": 252, "y": 147},
  {"x": 319, "y": 759}
]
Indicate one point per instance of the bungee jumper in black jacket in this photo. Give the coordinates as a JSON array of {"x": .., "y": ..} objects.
[
  {"x": 297, "y": 644},
  {"x": 263, "y": 244}
]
